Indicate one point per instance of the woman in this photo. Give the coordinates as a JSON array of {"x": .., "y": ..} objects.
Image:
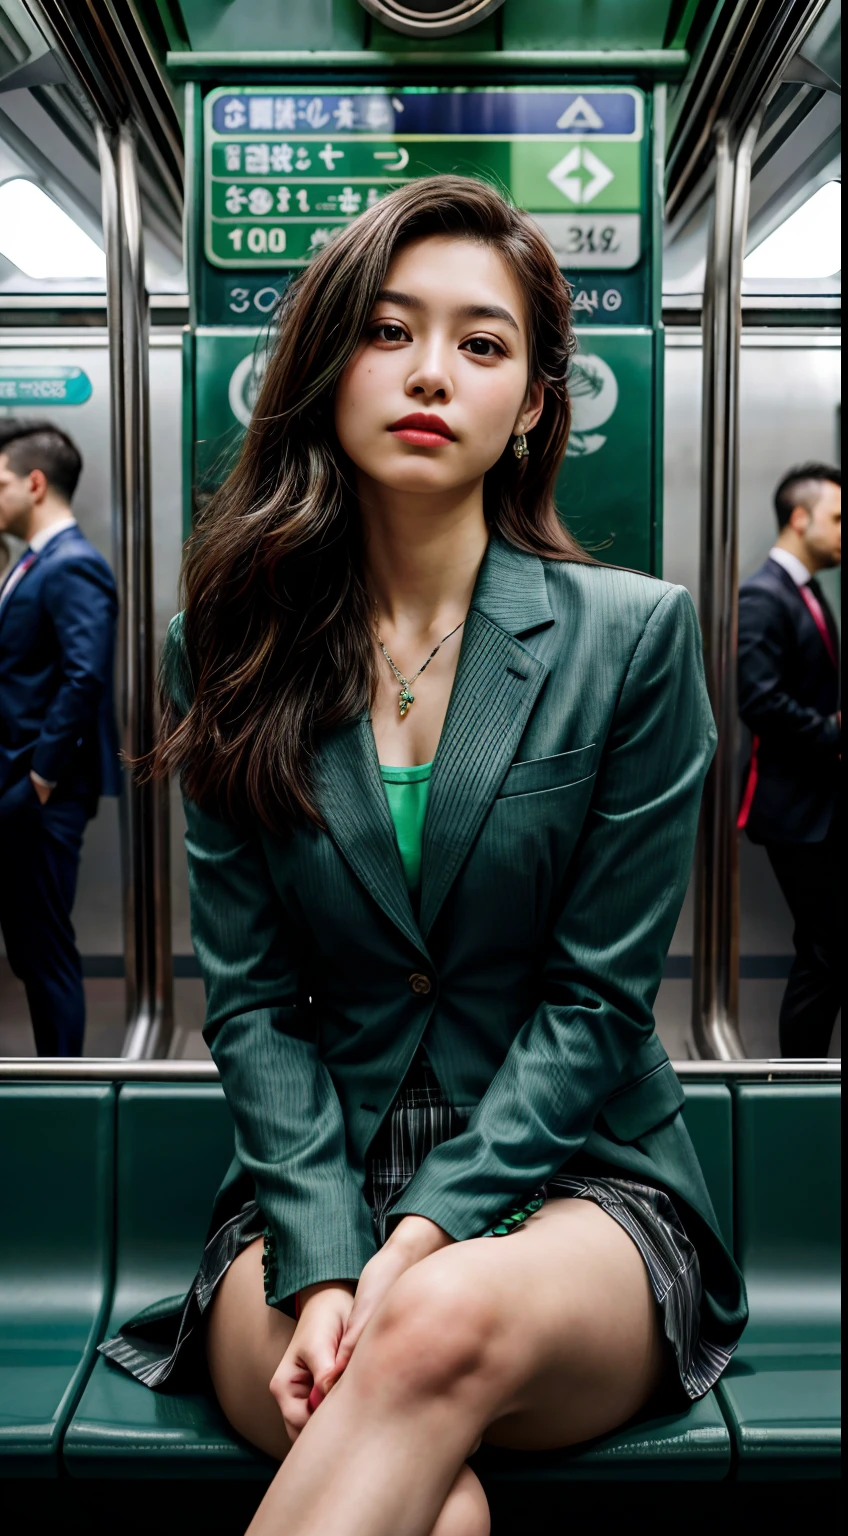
[{"x": 442, "y": 775}]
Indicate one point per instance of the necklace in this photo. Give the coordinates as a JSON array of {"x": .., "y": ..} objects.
[{"x": 406, "y": 697}]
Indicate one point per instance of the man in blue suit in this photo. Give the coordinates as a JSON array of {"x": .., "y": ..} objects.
[
  {"x": 58, "y": 740},
  {"x": 789, "y": 699}
]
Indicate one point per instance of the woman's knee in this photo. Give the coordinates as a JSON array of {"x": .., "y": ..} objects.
[{"x": 433, "y": 1333}]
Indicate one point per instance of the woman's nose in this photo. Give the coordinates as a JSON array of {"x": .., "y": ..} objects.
[{"x": 431, "y": 379}]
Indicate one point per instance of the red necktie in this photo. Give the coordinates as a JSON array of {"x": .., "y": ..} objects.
[
  {"x": 16, "y": 574},
  {"x": 820, "y": 621}
]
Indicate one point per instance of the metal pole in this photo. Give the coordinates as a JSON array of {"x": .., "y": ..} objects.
[
  {"x": 144, "y": 807},
  {"x": 715, "y": 991}
]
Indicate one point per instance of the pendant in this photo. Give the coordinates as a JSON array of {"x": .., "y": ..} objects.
[{"x": 405, "y": 698}]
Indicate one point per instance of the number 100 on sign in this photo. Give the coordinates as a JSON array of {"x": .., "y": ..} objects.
[{"x": 257, "y": 240}]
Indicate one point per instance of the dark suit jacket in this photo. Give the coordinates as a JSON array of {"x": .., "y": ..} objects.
[
  {"x": 57, "y": 643},
  {"x": 557, "y": 847},
  {"x": 788, "y": 698}
]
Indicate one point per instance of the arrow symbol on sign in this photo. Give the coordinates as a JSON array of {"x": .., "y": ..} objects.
[
  {"x": 581, "y": 114},
  {"x": 565, "y": 175},
  {"x": 398, "y": 164}
]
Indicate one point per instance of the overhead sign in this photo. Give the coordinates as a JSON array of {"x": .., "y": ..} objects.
[
  {"x": 36, "y": 385},
  {"x": 285, "y": 171}
]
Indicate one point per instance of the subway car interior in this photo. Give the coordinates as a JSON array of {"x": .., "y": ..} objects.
[{"x": 166, "y": 168}]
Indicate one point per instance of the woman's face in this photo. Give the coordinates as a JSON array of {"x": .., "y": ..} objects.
[{"x": 446, "y": 342}]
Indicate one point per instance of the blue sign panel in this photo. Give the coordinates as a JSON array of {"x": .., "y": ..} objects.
[
  {"x": 603, "y": 114},
  {"x": 44, "y": 385}
]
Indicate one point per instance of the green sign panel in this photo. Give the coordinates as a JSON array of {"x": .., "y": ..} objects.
[
  {"x": 283, "y": 172},
  {"x": 44, "y": 386},
  {"x": 606, "y": 492}
]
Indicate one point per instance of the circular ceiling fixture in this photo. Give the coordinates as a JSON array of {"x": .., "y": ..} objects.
[{"x": 430, "y": 18}]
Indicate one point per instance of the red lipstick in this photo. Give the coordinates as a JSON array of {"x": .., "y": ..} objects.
[{"x": 423, "y": 430}]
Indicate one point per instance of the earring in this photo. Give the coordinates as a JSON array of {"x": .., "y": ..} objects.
[{"x": 519, "y": 446}]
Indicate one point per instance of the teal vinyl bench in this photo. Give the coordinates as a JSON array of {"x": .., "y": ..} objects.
[
  {"x": 56, "y": 1200},
  {"x": 169, "y": 1143},
  {"x": 174, "y": 1144},
  {"x": 781, "y": 1394}
]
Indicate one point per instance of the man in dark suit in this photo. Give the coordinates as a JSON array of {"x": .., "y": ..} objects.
[
  {"x": 58, "y": 740},
  {"x": 789, "y": 699}
]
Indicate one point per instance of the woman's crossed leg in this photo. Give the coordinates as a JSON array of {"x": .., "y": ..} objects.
[
  {"x": 245, "y": 1342},
  {"x": 542, "y": 1339}
]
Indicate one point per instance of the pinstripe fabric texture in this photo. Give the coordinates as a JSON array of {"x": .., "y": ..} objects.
[
  {"x": 156, "y": 1349},
  {"x": 557, "y": 846}
]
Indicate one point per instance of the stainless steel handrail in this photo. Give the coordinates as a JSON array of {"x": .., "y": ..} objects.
[
  {"x": 715, "y": 983},
  {"x": 116, "y": 1069},
  {"x": 715, "y": 990},
  {"x": 144, "y": 806}
]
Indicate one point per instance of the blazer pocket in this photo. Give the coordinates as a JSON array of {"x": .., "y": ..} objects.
[
  {"x": 642, "y": 1105},
  {"x": 549, "y": 772}
]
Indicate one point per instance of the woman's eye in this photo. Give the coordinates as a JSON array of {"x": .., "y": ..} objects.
[
  {"x": 388, "y": 332},
  {"x": 484, "y": 346}
]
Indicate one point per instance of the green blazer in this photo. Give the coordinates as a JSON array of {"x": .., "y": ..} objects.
[{"x": 557, "y": 848}]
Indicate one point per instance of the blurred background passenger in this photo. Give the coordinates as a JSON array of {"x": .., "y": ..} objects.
[
  {"x": 789, "y": 699},
  {"x": 58, "y": 739}
]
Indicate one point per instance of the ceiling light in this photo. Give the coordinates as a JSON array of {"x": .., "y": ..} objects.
[
  {"x": 37, "y": 235},
  {"x": 808, "y": 243}
]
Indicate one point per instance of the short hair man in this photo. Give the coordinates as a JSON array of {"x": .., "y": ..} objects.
[
  {"x": 58, "y": 740},
  {"x": 789, "y": 699}
]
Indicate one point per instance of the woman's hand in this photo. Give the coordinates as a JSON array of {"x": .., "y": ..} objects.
[
  {"x": 306, "y": 1372},
  {"x": 412, "y": 1240}
]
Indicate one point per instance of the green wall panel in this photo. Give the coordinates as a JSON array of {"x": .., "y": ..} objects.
[
  {"x": 605, "y": 491},
  {"x": 237, "y": 25},
  {"x": 584, "y": 23}
]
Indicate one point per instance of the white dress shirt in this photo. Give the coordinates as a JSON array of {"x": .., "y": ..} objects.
[
  {"x": 35, "y": 546},
  {"x": 795, "y": 567}
]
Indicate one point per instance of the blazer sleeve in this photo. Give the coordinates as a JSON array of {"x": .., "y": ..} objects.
[
  {"x": 764, "y": 704},
  {"x": 83, "y": 605},
  {"x": 289, "y": 1131},
  {"x": 625, "y": 888}
]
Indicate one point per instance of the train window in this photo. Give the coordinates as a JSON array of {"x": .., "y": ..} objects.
[
  {"x": 807, "y": 244},
  {"x": 38, "y": 236}
]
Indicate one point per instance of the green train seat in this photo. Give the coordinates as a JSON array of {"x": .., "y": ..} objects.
[
  {"x": 109, "y": 1212},
  {"x": 173, "y": 1145},
  {"x": 781, "y": 1395},
  {"x": 56, "y": 1146}
]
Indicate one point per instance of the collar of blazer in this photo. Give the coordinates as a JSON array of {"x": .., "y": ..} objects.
[
  {"x": 39, "y": 556},
  {"x": 496, "y": 685}
]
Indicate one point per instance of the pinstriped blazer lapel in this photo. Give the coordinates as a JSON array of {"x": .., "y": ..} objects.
[
  {"x": 353, "y": 801},
  {"x": 497, "y": 683}
]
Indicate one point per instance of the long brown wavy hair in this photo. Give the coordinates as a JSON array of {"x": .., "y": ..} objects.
[{"x": 277, "y": 623}]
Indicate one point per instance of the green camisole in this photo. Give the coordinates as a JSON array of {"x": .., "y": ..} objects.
[{"x": 407, "y": 791}]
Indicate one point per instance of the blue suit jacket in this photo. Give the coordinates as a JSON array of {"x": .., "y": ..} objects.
[
  {"x": 57, "y": 644},
  {"x": 788, "y": 698}
]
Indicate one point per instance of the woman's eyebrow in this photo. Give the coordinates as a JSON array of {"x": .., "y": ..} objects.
[
  {"x": 465, "y": 312},
  {"x": 487, "y": 312}
]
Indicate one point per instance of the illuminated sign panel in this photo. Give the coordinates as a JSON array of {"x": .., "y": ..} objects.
[{"x": 284, "y": 170}]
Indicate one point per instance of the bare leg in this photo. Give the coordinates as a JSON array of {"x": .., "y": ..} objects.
[
  {"x": 245, "y": 1342},
  {"x": 544, "y": 1339}
]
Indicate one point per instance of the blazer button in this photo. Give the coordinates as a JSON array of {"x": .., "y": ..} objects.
[{"x": 420, "y": 983}]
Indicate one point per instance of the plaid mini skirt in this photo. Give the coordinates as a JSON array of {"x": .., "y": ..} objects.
[{"x": 162, "y": 1346}]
